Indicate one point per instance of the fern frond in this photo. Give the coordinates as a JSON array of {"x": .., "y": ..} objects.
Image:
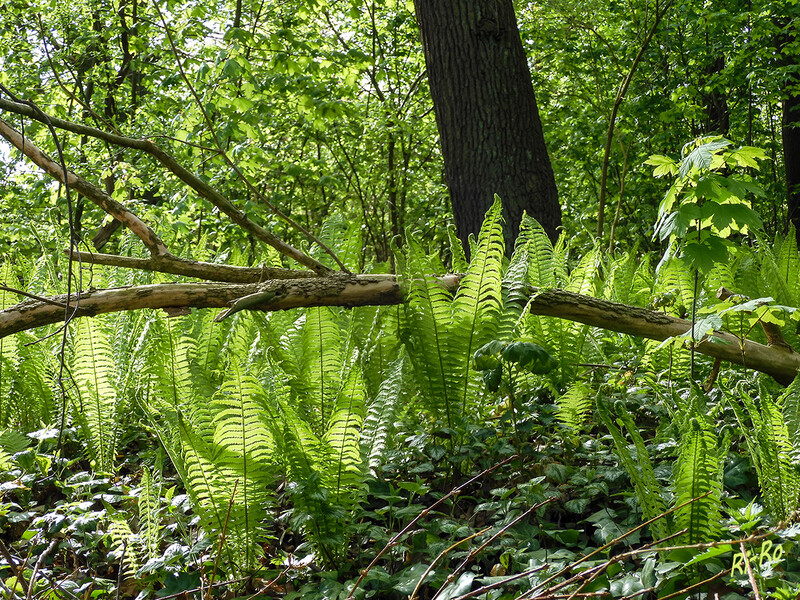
[
  {"x": 149, "y": 521},
  {"x": 478, "y": 304},
  {"x": 459, "y": 259},
  {"x": 100, "y": 406},
  {"x": 542, "y": 269},
  {"x": 343, "y": 433},
  {"x": 771, "y": 437},
  {"x": 639, "y": 467},
  {"x": 697, "y": 472},
  {"x": 122, "y": 544},
  {"x": 789, "y": 400},
  {"x": 312, "y": 357},
  {"x": 380, "y": 419},
  {"x": 424, "y": 322},
  {"x": 245, "y": 447},
  {"x": 788, "y": 264},
  {"x": 675, "y": 277},
  {"x": 775, "y": 280},
  {"x": 574, "y": 406},
  {"x": 572, "y": 340},
  {"x": 620, "y": 278}
]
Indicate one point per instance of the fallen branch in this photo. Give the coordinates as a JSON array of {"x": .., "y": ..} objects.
[{"x": 363, "y": 290}]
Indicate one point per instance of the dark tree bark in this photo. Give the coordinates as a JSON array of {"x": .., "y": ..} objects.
[
  {"x": 790, "y": 133},
  {"x": 486, "y": 111},
  {"x": 790, "y": 121},
  {"x": 717, "y": 112}
]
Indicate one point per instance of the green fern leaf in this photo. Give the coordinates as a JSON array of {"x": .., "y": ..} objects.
[
  {"x": 149, "y": 521},
  {"x": 574, "y": 406},
  {"x": 382, "y": 413},
  {"x": 639, "y": 467},
  {"x": 245, "y": 449},
  {"x": 99, "y": 406},
  {"x": 343, "y": 434},
  {"x": 698, "y": 471}
]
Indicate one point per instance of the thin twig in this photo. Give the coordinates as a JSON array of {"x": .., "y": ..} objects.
[
  {"x": 224, "y": 154},
  {"x": 439, "y": 557},
  {"x": 221, "y": 540},
  {"x": 396, "y": 538},
  {"x": 7, "y": 288},
  {"x": 17, "y": 568},
  {"x": 121, "y": 568},
  {"x": 750, "y": 574},
  {"x": 37, "y": 566},
  {"x": 696, "y": 585},
  {"x": 501, "y": 531}
]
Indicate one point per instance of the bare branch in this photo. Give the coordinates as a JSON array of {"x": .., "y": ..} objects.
[
  {"x": 189, "y": 178},
  {"x": 363, "y": 290},
  {"x": 88, "y": 190},
  {"x": 334, "y": 290},
  {"x": 192, "y": 268}
]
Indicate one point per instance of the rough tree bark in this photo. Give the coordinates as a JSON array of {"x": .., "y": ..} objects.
[
  {"x": 790, "y": 134},
  {"x": 487, "y": 116},
  {"x": 790, "y": 119},
  {"x": 780, "y": 362}
]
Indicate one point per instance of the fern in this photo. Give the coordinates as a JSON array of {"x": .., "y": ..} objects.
[
  {"x": 543, "y": 266},
  {"x": 382, "y": 413},
  {"x": 245, "y": 449},
  {"x": 442, "y": 332},
  {"x": 185, "y": 422},
  {"x": 771, "y": 434},
  {"x": 569, "y": 341},
  {"x": 518, "y": 275},
  {"x": 574, "y": 406},
  {"x": 698, "y": 481},
  {"x": 149, "y": 521},
  {"x": 122, "y": 541},
  {"x": 8, "y": 350},
  {"x": 342, "y": 435},
  {"x": 788, "y": 265},
  {"x": 639, "y": 467},
  {"x": 99, "y": 406},
  {"x": 310, "y": 354}
]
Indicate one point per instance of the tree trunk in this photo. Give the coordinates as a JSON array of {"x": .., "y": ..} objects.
[
  {"x": 790, "y": 132},
  {"x": 486, "y": 112}
]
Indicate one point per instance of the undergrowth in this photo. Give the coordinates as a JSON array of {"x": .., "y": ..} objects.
[{"x": 454, "y": 447}]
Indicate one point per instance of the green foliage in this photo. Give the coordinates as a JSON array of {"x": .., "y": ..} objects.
[
  {"x": 223, "y": 449},
  {"x": 637, "y": 464},
  {"x": 99, "y": 407},
  {"x": 307, "y": 425},
  {"x": 704, "y": 207},
  {"x": 441, "y": 331},
  {"x": 770, "y": 427},
  {"x": 698, "y": 479}
]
